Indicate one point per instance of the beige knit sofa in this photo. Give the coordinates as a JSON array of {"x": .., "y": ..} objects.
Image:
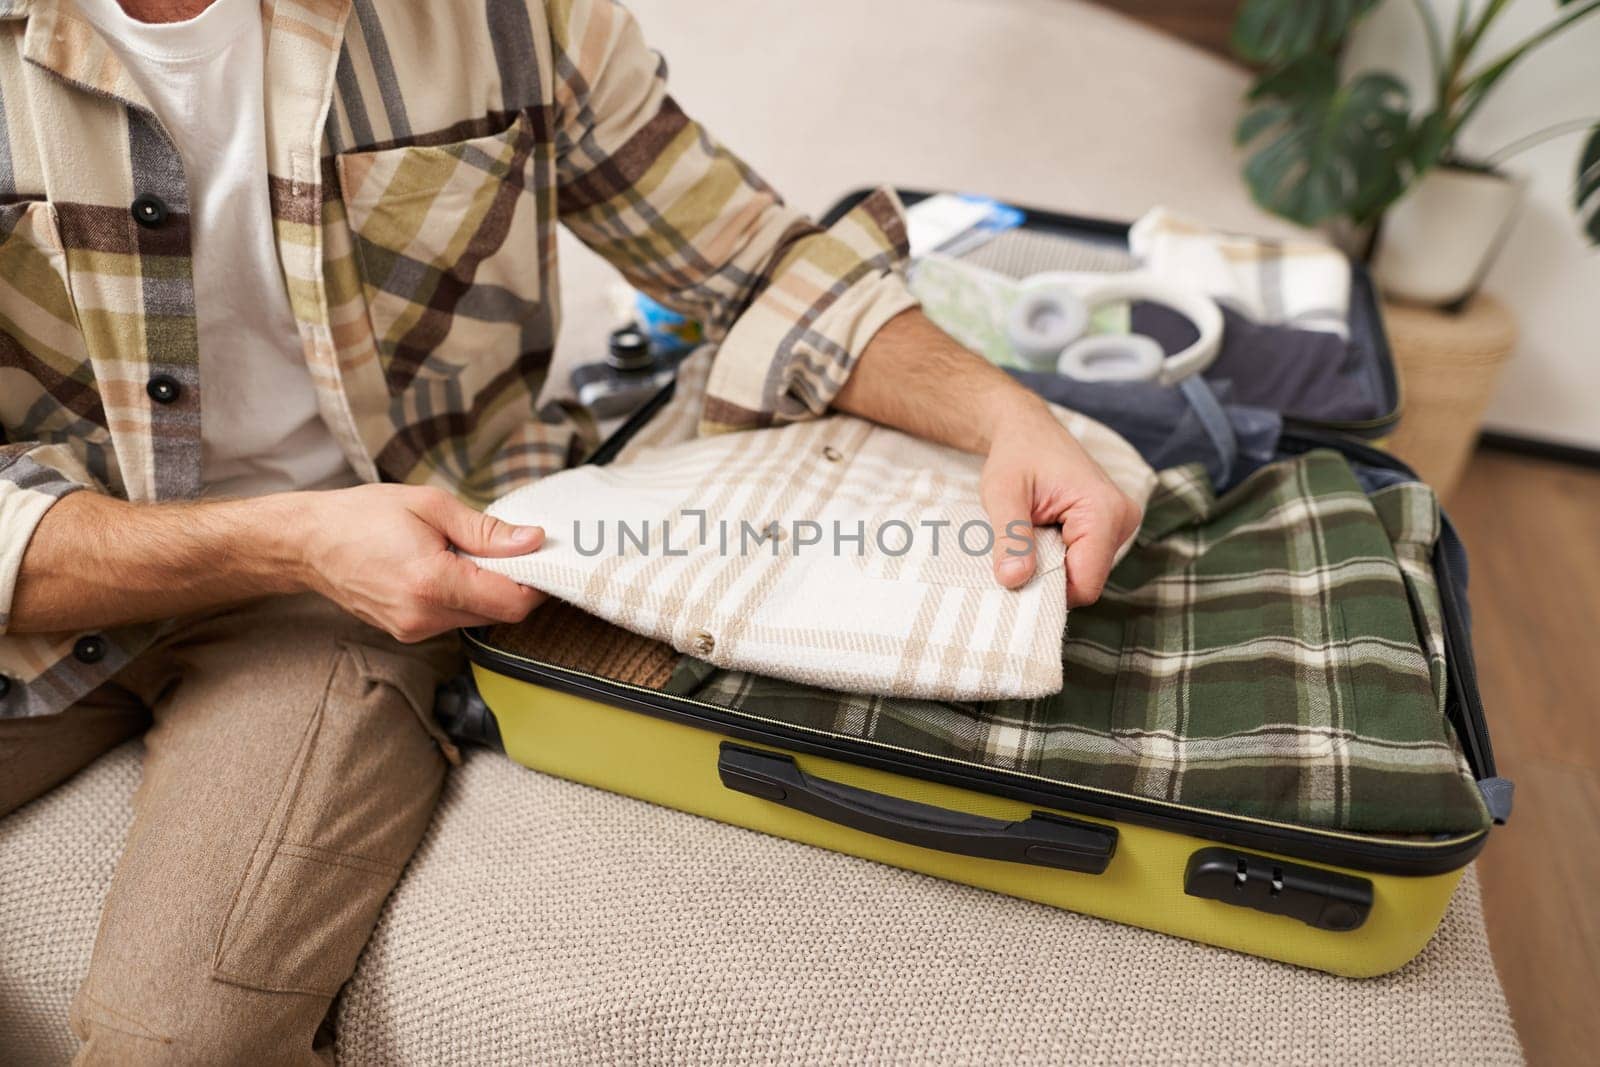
[{"x": 547, "y": 922}]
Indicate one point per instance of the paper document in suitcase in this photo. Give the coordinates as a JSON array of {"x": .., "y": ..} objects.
[{"x": 834, "y": 553}]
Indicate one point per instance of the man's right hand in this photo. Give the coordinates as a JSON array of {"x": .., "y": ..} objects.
[{"x": 383, "y": 553}]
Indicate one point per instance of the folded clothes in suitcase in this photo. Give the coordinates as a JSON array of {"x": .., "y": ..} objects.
[
  {"x": 1269, "y": 737},
  {"x": 742, "y": 547}
]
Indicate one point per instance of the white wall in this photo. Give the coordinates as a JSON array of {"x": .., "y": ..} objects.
[
  {"x": 1050, "y": 103},
  {"x": 1547, "y": 272},
  {"x": 1068, "y": 105}
]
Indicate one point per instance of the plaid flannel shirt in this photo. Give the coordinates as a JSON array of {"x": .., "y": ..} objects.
[
  {"x": 421, "y": 155},
  {"x": 1277, "y": 652}
]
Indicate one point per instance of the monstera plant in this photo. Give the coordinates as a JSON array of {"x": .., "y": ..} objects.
[{"x": 1326, "y": 147}]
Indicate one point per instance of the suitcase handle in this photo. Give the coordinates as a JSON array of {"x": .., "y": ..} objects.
[{"x": 1042, "y": 839}]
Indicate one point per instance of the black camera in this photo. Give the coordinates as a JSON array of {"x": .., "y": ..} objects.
[{"x": 630, "y": 375}]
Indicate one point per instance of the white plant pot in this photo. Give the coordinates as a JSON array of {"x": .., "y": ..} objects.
[{"x": 1438, "y": 241}]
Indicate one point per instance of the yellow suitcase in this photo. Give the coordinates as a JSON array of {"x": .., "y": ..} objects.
[{"x": 1348, "y": 903}]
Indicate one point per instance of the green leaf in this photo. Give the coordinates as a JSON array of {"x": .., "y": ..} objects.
[
  {"x": 1587, "y": 197},
  {"x": 1327, "y": 154},
  {"x": 1278, "y": 32},
  {"x": 1428, "y": 141},
  {"x": 1311, "y": 78},
  {"x": 1259, "y": 120}
]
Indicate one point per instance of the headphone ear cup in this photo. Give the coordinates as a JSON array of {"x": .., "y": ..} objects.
[
  {"x": 1113, "y": 357},
  {"x": 1044, "y": 321},
  {"x": 1194, "y": 305}
]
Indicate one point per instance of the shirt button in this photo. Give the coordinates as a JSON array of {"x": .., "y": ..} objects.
[
  {"x": 703, "y": 644},
  {"x": 831, "y": 454},
  {"x": 163, "y": 388},
  {"x": 90, "y": 649},
  {"x": 149, "y": 211}
]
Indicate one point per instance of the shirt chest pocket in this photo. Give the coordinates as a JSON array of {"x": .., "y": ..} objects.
[
  {"x": 35, "y": 300},
  {"x": 449, "y": 243},
  {"x": 48, "y": 389}
]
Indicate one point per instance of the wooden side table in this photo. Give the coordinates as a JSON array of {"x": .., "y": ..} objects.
[{"x": 1448, "y": 365}]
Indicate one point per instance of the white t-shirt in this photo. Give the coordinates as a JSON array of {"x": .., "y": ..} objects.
[{"x": 261, "y": 430}]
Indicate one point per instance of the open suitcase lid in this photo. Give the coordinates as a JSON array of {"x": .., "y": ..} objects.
[{"x": 1368, "y": 368}]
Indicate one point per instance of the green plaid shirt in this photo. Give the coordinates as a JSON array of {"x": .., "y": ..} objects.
[
  {"x": 421, "y": 155},
  {"x": 1277, "y": 653}
]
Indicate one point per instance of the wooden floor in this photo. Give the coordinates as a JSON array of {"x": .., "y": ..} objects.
[{"x": 1532, "y": 529}]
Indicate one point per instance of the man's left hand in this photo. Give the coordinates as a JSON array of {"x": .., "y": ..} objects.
[
  {"x": 915, "y": 377},
  {"x": 1037, "y": 473}
]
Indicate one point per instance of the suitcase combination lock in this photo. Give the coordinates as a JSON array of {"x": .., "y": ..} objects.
[{"x": 1324, "y": 899}]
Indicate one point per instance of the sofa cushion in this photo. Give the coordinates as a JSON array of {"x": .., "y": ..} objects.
[{"x": 545, "y": 921}]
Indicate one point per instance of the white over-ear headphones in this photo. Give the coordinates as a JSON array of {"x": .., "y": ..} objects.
[{"x": 1048, "y": 324}]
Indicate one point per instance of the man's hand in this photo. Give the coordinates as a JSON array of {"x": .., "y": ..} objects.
[
  {"x": 383, "y": 553},
  {"x": 1038, "y": 473},
  {"x": 915, "y": 377}
]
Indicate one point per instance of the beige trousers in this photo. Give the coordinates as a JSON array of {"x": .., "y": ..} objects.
[{"x": 291, "y": 766}]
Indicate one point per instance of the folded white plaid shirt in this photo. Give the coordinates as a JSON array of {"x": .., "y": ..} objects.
[
  {"x": 835, "y": 553},
  {"x": 1301, "y": 282}
]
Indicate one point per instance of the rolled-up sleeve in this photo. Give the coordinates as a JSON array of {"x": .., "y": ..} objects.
[
  {"x": 32, "y": 478},
  {"x": 791, "y": 304}
]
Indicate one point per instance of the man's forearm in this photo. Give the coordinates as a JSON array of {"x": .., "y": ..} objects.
[
  {"x": 917, "y": 378},
  {"x": 96, "y": 561},
  {"x": 385, "y": 553}
]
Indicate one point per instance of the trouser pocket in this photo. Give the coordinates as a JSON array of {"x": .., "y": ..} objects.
[
  {"x": 353, "y": 807},
  {"x": 414, "y": 673}
]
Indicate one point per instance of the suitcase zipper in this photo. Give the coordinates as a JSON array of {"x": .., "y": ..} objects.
[{"x": 1420, "y": 857}]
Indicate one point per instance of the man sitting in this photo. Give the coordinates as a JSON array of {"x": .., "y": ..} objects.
[{"x": 279, "y": 292}]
